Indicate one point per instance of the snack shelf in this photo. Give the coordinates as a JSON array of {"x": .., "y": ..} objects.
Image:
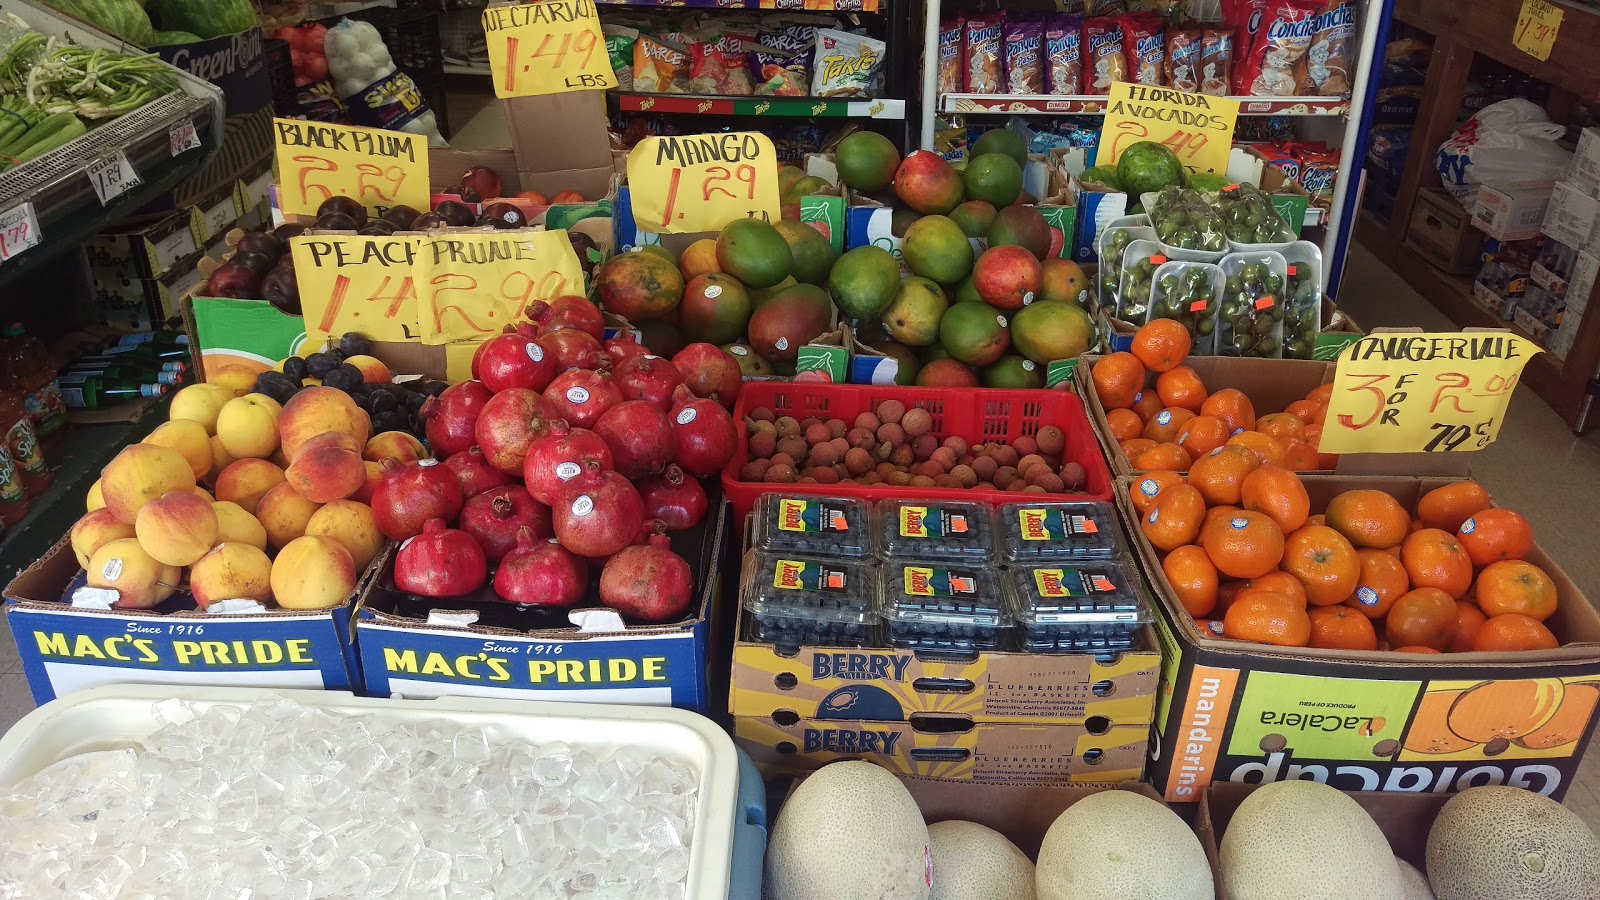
[
  {"x": 453, "y": 69},
  {"x": 773, "y": 107},
  {"x": 1060, "y": 105},
  {"x": 787, "y": 5}
]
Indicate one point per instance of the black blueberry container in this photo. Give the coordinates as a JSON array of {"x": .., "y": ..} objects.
[
  {"x": 948, "y": 530},
  {"x": 943, "y": 609},
  {"x": 1049, "y": 532},
  {"x": 795, "y": 601},
  {"x": 814, "y": 526},
  {"x": 1089, "y": 606}
]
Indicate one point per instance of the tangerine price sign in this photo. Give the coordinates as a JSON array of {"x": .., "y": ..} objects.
[
  {"x": 1537, "y": 26},
  {"x": 379, "y": 169},
  {"x": 470, "y": 286},
  {"x": 357, "y": 283},
  {"x": 1196, "y": 127},
  {"x": 1416, "y": 392},
  {"x": 549, "y": 47},
  {"x": 701, "y": 182}
]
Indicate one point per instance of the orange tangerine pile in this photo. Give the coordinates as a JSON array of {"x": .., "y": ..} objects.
[
  {"x": 1175, "y": 422},
  {"x": 1244, "y": 555}
]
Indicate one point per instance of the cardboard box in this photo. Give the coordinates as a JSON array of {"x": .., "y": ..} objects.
[
  {"x": 65, "y": 648},
  {"x": 1370, "y": 721},
  {"x": 826, "y": 213},
  {"x": 1573, "y": 217},
  {"x": 139, "y": 304},
  {"x": 149, "y": 247},
  {"x": 1442, "y": 232},
  {"x": 1513, "y": 211},
  {"x": 990, "y": 753},
  {"x": 1584, "y": 170}
]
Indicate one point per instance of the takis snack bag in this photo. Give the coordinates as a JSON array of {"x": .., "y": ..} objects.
[
  {"x": 1024, "y": 37},
  {"x": 1104, "y": 62},
  {"x": 845, "y": 65},
  {"x": 1063, "y": 52},
  {"x": 1144, "y": 42},
  {"x": 984, "y": 46}
]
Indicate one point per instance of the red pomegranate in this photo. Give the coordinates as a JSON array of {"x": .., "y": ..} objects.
[
  {"x": 474, "y": 472},
  {"x": 535, "y": 313},
  {"x": 559, "y": 455},
  {"x": 675, "y": 499},
  {"x": 440, "y": 562},
  {"x": 705, "y": 435},
  {"x": 453, "y": 415},
  {"x": 647, "y": 377},
  {"x": 410, "y": 494},
  {"x": 508, "y": 424},
  {"x": 572, "y": 349},
  {"x": 581, "y": 396},
  {"x": 621, "y": 349},
  {"x": 597, "y": 513},
  {"x": 649, "y": 582},
  {"x": 494, "y": 517},
  {"x": 575, "y": 313},
  {"x": 541, "y": 573},
  {"x": 640, "y": 436},
  {"x": 711, "y": 372},
  {"x": 512, "y": 360}
]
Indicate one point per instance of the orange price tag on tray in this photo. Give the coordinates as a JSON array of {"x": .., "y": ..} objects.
[
  {"x": 379, "y": 169},
  {"x": 701, "y": 182},
  {"x": 1415, "y": 392},
  {"x": 357, "y": 283},
  {"x": 470, "y": 286},
  {"x": 549, "y": 47},
  {"x": 1196, "y": 127},
  {"x": 1537, "y": 26}
]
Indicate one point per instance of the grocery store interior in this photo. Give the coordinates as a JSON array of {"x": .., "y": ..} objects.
[{"x": 760, "y": 449}]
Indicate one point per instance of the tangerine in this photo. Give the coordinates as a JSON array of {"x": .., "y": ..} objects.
[
  {"x": 1280, "y": 582},
  {"x": 1279, "y": 493},
  {"x": 1383, "y": 581},
  {"x": 1368, "y": 518},
  {"x": 1469, "y": 619},
  {"x": 1167, "y": 425},
  {"x": 1281, "y": 427},
  {"x": 1123, "y": 424},
  {"x": 1175, "y": 520},
  {"x": 1117, "y": 379},
  {"x": 1220, "y": 474},
  {"x": 1492, "y": 535},
  {"x": 1180, "y": 386},
  {"x": 1515, "y": 586},
  {"x": 1266, "y": 449},
  {"x": 1445, "y": 508},
  {"x": 1512, "y": 632},
  {"x": 1203, "y": 434},
  {"x": 1193, "y": 578},
  {"x": 1245, "y": 545},
  {"x": 1147, "y": 404},
  {"x": 1324, "y": 562},
  {"x": 1435, "y": 559},
  {"x": 1308, "y": 412},
  {"x": 1301, "y": 456},
  {"x": 1268, "y": 618},
  {"x": 1161, "y": 344},
  {"x": 1132, "y": 448},
  {"x": 1322, "y": 393},
  {"x": 1339, "y": 628},
  {"x": 1144, "y": 491},
  {"x": 1424, "y": 617},
  {"x": 1162, "y": 456},
  {"x": 1416, "y": 650},
  {"x": 1231, "y": 406}
]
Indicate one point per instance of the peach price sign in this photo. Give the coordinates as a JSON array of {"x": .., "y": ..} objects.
[
  {"x": 1196, "y": 127},
  {"x": 549, "y": 47},
  {"x": 1414, "y": 392},
  {"x": 701, "y": 182},
  {"x": 470, "y": 286},
  {"x": 378, "y": 169},
  {"x": 357, "y": 283}
]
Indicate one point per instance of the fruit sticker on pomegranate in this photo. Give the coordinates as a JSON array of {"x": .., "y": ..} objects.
[
  {"x": 357, "y": 283},
  {"x": 692, "y": 183},
  {"x": 470, "y": 286},
  {"x": 376, "y": 168},
  {"x": 546, "y": 48}
]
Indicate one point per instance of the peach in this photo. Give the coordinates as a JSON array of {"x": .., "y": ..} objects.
[
  {"x": 248, "y": 426},
  {"x": 177, "y": 528},
  {"x": 320, "y": 410},
  {"x": 231, "y": 571},
  {"x": 187, "y": 437},
  {"x": 393, "y": 445},
  {"x": 95, "y": 530},
  {"x": 313, "y": 572},
  {"x": 246, "y": 481},
  {"x": 200, "y": 403},
  {"x": 375, "y": 474},
  {"x": 238, "y": 526},
  {"x": 199, "y": 491},
  {"x": 284, "y": 514},
  {"x": 95, "y": 499},
  {"x": 234, "y": 377},
  {"x": 331, "y": 439},
  {"x": 141, "y": 473},
  {"x": 353, "y": 526},
  {"x": 220, "y": 457},
  {"x": 139, "y": 580},
  {"x": 323, "y": 472},
  {"x": 373, "y": 371}
]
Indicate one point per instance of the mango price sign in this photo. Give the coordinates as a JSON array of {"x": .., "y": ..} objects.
[
  {"x": 357, "y": 283},
  {"x": 549, "y": 47},
  {"x": 701, "y": 182},
  {"x": 376, "y": 168},
  {"x": 1196, "y": 127},
  {"x": 1423, "y": 393},
  {"x": 470, "y": 286}
]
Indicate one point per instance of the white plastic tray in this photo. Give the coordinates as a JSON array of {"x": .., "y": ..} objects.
[{"x": 112, "y": 717}]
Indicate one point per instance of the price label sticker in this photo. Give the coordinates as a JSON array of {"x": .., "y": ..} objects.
[
  {"x": 357, "y": 283},
  {"x": 19, "y": 230},
  {"x": 182, "y": 137},
  {"x": 1196, "y": 127},
  {"x": 701, "y": 182},
  {"x": 470, "y": 286},
  {"x": 1537, "y": 26},
  {"x": 112, "y": 176},
  {"x": 379, "y": 169},
  {"x": 1415, "y": 392},
  {"x": 549, "y": 47}
]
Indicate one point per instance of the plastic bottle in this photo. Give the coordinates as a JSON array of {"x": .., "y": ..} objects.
[
  {"x": 87, "y": 391},
  {"x": 22, "y": 445},
  {"x": 13, "y": 495},
  {"x": 27, "y": 366}
]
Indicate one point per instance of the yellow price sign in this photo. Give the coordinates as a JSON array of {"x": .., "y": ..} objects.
[
  {"x": 549, "y": 47},
  {"x": 1537, "y": 26},
  {"x": 470, "y": 286},
  {"x": 1196, "y": 127},
  {"x": 1416, "y": 392},
  {"x": 378, "y": 169},
  {"x": 357, "y": 283},
  {"x": 701, "y": 182}
]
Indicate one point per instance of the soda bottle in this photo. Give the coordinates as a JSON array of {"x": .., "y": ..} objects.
[
  {"x": 27, "y": 365},
  {"x": 91, "y": 393},
  {"x": 13, "y": 496},
  {"x": 22, "y": 445}
]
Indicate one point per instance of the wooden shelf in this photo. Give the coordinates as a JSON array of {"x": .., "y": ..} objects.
[{"x": 1486, "y": 26}]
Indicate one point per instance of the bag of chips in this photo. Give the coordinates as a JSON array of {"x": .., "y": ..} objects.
[
  {"x": 1144, "y": 42},
  {"x": 950, "y": 58},
  {"x": 983, "y": 45},
  {"x": 1183, "y": 59},
  {"x": 1280, "y": 44},
  {"x": 714, "y": 70},
  {"x": 1216, "y": 62},
  {"x": 1318, "y": 171},
  {"x": 1024, "y": 39},
  {"x": 1326, "y": 69},
  {"x": 1104, "y": 60},
  {"x": 845, "y": 64},
  {"x": 779, "y": 75},
  {"x": 659, "y": 67},
  {"x": 1243, "y": 17},
  {"x": 619, "y": 46},
  {"x": 1063, "y": 52}
]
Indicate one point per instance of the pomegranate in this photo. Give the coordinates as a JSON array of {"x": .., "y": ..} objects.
[
  {"x": 678, "y": 501},
  {"x": 512, "y": 360},
  {"x": 508, "y": 424},
  {"x": 621, "y": 349},
  {"x": 710, "y": 372},
  {"x": 410, "y": 494},
  {"x": 541, "y": 573},
  {"x": 453, "y": 415},
  {"x": 581, "y": 396},
  {"x": 572, "y": 349},
  {"x": 494, "y": 517},
  {"x": 475, "y": 473},
  {"x": 561, "y": 454},
  {"x": 640, "y": 437},
  {"x": 575, "y": 313},
  {"x": 647, "y": 377},
  {"x": 597, "y": 513},
  {"x": 440, "y": 562},
  {"x": 705, "y": 435},
  {"x": 648, "y": 582},
  {"x": 536, "y": 313}
]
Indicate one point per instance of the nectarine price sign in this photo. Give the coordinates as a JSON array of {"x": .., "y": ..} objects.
[
  {"x": 1196, "y": 127},
  {"x": 1414, "y": 392},
  {"x": 376, "y": 168},
  {"x": 470, "y": 286},
  {"x": 549, "y": 47},
  {"x": 357, "y": 283},
  {"x": 701, "y": 182}
]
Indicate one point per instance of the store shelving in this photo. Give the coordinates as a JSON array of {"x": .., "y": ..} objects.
[
  {"x": 1058, "y": 105},
  {"x": 785, "y": 5},
  {"x": 786, "y": 107}
]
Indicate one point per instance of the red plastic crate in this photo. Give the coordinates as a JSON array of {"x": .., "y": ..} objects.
[{"x": 977, "y": 415}]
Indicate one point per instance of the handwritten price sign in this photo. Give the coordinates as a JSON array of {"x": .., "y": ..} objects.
[
  {"x": 1198, "y": 128},
  {"x": 357, "y": 283},
  {"x": 701, "y": 182},
  {"x": 470, "y": 286},
  {"x": 19, "y": 230},
  {"x": 379, "y": 169},
  {"x": 1537, "y": 26},
  {"x": 1428, "y": 393},
  {"x": 548, "y": 47}
]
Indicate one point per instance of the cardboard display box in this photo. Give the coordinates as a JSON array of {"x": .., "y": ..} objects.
[
  {"x": 1441, "y": 232},
  {"x": 1370, "y": 721},
  {"x": 1513, "y": 211}
]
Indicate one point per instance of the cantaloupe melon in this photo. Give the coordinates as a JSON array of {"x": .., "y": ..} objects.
[
  {"x": 1305, "y": 840},
  {"x": 1505, "y": 843},
  {"x": 975, "y": 862},
  {"x": 1119, "y": 844},
  {"x": 1414, "y": 883},
  {"x": 850, "y": 830}
]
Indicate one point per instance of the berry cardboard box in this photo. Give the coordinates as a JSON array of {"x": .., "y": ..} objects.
[
  {"x": 65, "y": 647},
  {"x": 1230, "y": 711}
]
